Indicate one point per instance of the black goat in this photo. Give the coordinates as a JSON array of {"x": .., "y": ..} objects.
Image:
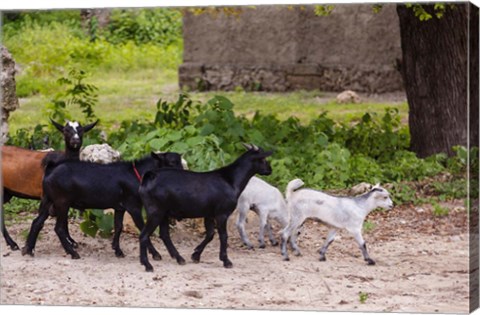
[
  {"x": 22, "y": 169},
  {"x": 184, "y": 194},
  {"x": 86, "y": 185}
]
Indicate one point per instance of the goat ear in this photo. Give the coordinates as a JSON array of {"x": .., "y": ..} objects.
[
  {"x": 159, "y": 156},
  {"x": 57, "y": 125},
  {"x": 90, "y": 126},
  {"x": 263, "y": 155}
]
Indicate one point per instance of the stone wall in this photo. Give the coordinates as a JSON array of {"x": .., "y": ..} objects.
[
  {"x": 277, "y": 48},
  {"x": 8, "y": 91}
]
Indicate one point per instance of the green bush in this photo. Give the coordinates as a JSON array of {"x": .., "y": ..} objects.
[
  {"x": 161, "y": 26},
  {"x": 326, "y": 155},
  {"x": 59, "y": 43}
]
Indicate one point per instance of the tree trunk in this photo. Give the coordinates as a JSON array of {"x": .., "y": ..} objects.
[
  {"x": 474, "y": 74},
  {"x": 474, "y": 179},
  {"x": 435, "y": 73}
]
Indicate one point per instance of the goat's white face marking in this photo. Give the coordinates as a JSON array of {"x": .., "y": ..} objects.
[{"x": 74, "y": 125}]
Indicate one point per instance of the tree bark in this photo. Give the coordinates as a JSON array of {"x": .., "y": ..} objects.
[
  {"x": 435, "y": 69},
  {"x": 474, "y": 74},
  {"x": 474, "y": 141}
]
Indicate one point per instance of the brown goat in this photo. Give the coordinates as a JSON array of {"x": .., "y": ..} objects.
[
  {"x": 14, "y": 170},
  {"x": 22, "y": 170}
]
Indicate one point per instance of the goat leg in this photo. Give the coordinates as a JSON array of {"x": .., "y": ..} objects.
[
  {"x": 241, "y": 219},
  {"x": 70, "y": 239},
  {"x": 284, "y": 242},
  {"x": 363, "y": 247},
  {"x": 328, "y": 241},
  {"x": 61, "y": 228},
  {"x": 8, "y": 239},
  {"x": 261, "y": 234},
  {"x": 138, "y": 220},
  {"x": 52, "y": 213},
  {"x": 118, "y": 227},
  {"x": 272, "y": 238},
  {"x": 222, "y": 233},
  {"x": 36, "y": 227},
  {"x": 152, "y": 222},
  {"x": 10, "y": 242},
  {"x": 293, "y": 243},
  {"x": 165, "y": 236},
  {"x": 210, "y": 232}
]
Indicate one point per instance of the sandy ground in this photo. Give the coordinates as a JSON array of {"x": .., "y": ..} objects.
[{"x": 422, "y": 266}]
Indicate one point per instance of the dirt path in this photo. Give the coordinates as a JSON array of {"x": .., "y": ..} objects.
[{"x": 422, "y": 266}]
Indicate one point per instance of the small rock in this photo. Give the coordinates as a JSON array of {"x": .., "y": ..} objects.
[
  {"x": 455, "y": 238},
  {"x": 459, "y": 209},
  {"x": 64, "y": 263},
  {"x": 348, "y": 96},
  {"x": 194, "y": 294}
]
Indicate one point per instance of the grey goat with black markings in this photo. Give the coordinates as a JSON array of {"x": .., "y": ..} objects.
[{"x": 337, "y": 212}]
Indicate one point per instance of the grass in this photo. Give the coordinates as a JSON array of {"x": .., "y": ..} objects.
[
  {"x": 303, "y": 104},
  {"x": 133, "y": 95}
]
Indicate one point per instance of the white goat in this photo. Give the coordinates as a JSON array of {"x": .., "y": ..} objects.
[
  {"x": 337, "y": 212},
  {"x": 268, "y": 203}
]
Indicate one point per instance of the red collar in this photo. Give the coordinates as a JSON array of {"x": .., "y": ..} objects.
[{"x": 136, "y": 172}]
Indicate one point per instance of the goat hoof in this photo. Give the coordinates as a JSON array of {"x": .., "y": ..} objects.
[
  {"x": 227, "y": 264},
  {"x": 195, "y": 258},
  {"x": 274, "y": 243},
  {"x": 14, "y": 246},
  {"x": 297, "y": 253},
  {"x": 75, "y": 255},
  {"x": 148, "y": 268},
  {"x": 370, "y": 262},
  {"x": 27, "y": 251},
  {"x": 156, "y": 256},
  {"x": 261, "y": 246},
  {"x": 286, "y": 259},
  {"x": 119, "y": 254},
  {"x": 181, "y": 262},
  {"x": 323, "y": 258}
]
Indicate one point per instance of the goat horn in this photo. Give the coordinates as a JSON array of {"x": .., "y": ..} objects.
[
  {"x": 90, "y": 126},
  {"x": 247, "y": 146},
  {"x": 57, "y": 125},
  {"x": 255, "y": 147}
]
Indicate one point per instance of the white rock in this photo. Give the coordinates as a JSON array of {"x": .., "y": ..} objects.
[
  {"x": 99, "y": 153},
  {"x": 348, "y": 96}
]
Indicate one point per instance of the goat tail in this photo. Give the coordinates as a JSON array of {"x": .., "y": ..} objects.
[{"x": 292, "y": 186}]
